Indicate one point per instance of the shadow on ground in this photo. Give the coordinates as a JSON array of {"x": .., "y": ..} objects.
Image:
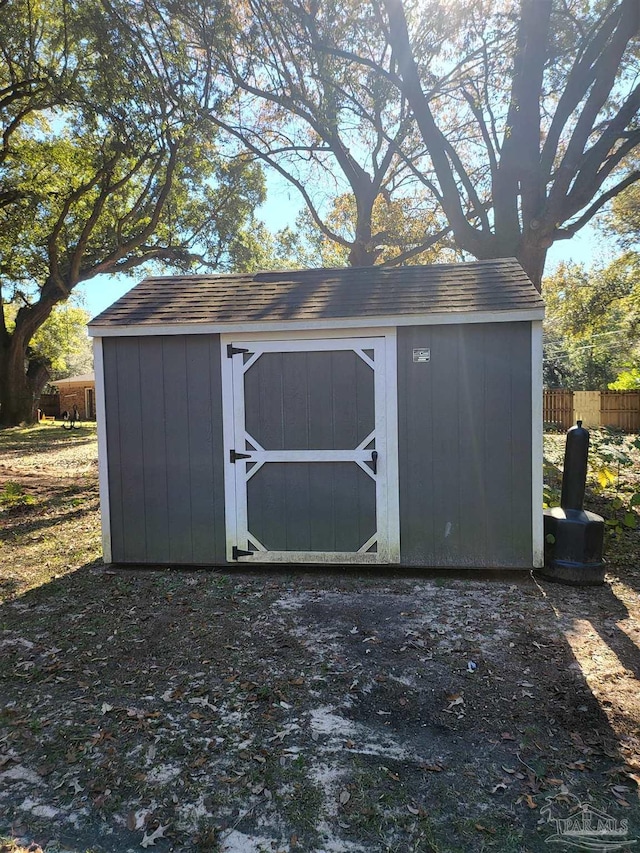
[{"x": 210, "y": 711}]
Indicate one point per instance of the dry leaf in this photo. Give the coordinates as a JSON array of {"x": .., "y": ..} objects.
[
  {"x": 345, "y": 796},
  {"x": 481, "y": 828},
  {"x": 150, "y": 840}
]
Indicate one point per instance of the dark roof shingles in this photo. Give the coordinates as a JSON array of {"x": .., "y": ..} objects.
[{"x": 496, "y": 285}]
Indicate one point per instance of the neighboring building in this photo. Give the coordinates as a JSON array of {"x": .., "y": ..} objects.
[
  {"x": 337, "y": 416},
  {"x": 79, "y": 391}
]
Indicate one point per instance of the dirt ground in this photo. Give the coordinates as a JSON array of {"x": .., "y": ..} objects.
[{"x": 290, "y": 710}]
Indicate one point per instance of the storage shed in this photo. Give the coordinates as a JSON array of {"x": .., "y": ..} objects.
[{"x": 346, "y": 416}]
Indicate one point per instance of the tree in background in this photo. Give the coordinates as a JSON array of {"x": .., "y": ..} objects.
[
  {"x": 534, "y": 128},
  {"x": 61, "y": 342},
  {"x": 104, "y": 166},
  {"x": 339, "y": 132},
  {"x": 509, "y": 122},
  {"x": 592, "y": 324}
]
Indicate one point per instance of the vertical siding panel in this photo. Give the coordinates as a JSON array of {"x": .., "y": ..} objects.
[
  {"x": 296, "y": 485},
  {"x": 270, "y": 394},
  {"x": 176, "y": 415},
  {"x": 473, "y": 432},
  {"x": 266, "y": 506},
  {"x": 322, "y": 507},
  {"x": 114, "y": 465},
  {"x": 415, "y": 448},
  {"x": 521, "y": 486},
  {"x": 154, "y": 450},
  {"x": 296, "y": 400},
  {"x": 131, "y": 451},
  {"x": 201, "y": 447},
  {"x": 343, "y": 385},
  {"x": 498, "y": 408},
  {"x": 218, "y": 551},
  {"x": 320, "y": 401},
  {"x": 444, "y": 417},
  {"x": 365, "y": 401},
  {"x": 164, "y": 426}
]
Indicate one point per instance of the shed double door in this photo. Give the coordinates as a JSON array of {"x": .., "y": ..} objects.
[{"x": 307, "y": 462}]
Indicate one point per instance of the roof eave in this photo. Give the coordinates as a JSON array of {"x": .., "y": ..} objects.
[{"x": 112, "y": 329}]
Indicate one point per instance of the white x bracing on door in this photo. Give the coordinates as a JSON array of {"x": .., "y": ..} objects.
[{"x": 311, "y": 464}]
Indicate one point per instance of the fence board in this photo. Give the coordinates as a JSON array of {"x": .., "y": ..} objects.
[
  {"x": 620, "y": 410},
  {"x": 557, "y": 408},
  {"x": 587, "y": 408}
]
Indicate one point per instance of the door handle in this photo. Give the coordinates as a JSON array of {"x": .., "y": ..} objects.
[{"x": 374, "y": 461}]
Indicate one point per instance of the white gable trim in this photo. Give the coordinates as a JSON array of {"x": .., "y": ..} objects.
[{"x": 436, "y": 319}]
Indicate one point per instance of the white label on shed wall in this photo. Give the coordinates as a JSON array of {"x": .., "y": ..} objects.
[{"x": 421, "y": 356}]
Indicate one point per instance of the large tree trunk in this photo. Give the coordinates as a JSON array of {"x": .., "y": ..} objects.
[
  {"x": 532, "y": 254},
  {"x": 21, "y": 384},
  {"x": 23, "y": 375}
]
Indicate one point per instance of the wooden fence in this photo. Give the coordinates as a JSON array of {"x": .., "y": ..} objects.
[
  {"x": 615, "y": 409},
  {"x": 557, "y": 408},
  {"x": 620, "y": 409}
]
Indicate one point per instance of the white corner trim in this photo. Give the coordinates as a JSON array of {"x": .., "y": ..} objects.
[
  {"x": 356, "y": 323},
  {"x": 537, "y": 454},
  {"x": 103, "y": 468}
]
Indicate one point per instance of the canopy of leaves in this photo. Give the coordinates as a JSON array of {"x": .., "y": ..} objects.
[
  {"x": 592, "y": 323},
  {"x": 62, "y": 340},
  {"x": 624, "y": 219},
  {"x": 106, "y": 163}
]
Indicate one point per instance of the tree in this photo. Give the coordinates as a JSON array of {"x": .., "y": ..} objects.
[
  {"x": 400, "y": 224},
  {"x": 508, "y": 121},
  {"x": 62, "y": 341},
  {"x": 623, "y": 221},
  {"x": 104, "y": 166},
  {"x": 532, "y": 131},
  {"x": 592, "y": 323},
  {"x": 338, "y": 132},
  {"x": 627, "y": 380}
]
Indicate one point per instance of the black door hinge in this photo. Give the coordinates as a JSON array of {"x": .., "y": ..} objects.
[
  {"x": 234, "y": 455},
  {"x": 231, "y": 350},
  {"x": 238, "y": 552}
]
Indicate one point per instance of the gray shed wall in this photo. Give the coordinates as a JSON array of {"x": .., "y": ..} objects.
[
  {"x": 465, "y": 445},
  {"x": 164, "y": 437}
]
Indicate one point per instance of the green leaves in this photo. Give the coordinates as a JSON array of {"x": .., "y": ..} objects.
[{"x": 106, "y": 164}]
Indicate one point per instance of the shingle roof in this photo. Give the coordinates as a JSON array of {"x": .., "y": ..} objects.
[{"x": 488, "y": 286}]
